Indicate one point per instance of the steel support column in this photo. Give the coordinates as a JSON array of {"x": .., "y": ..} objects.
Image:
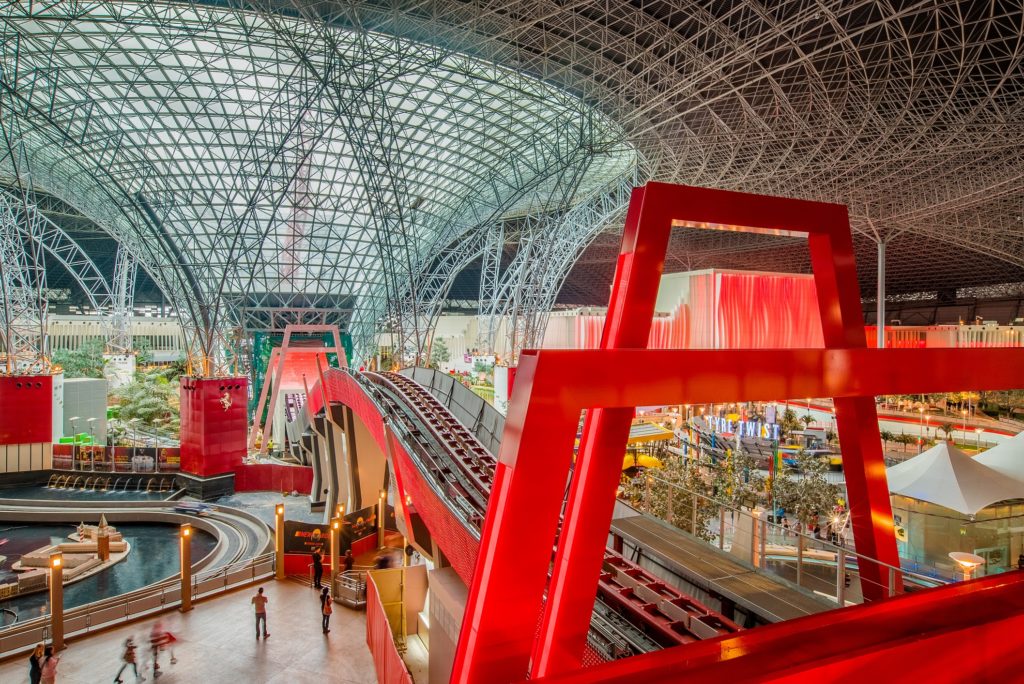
[{"x": 880, "y": 297}]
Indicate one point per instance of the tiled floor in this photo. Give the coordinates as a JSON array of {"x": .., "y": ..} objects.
[{"x": 217, "y": 643}]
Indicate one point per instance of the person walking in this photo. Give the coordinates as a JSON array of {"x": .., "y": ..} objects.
[
  {"x": 35, "y": 663},
  {"x": 260, "y": 602},
  {"x": 159, "y": 640},
  {"x": 318, "y": 568},
  {"x": 49, "y": 669},
  {"x": 128, "y": 659},
  {"x": 326, "y": 608},
  {"x": 349, "y": 560}
]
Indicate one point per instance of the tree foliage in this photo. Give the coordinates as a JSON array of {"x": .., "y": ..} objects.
[
  {"x": 152, "y": 397},
  {"x": 789, "y": 422},
  {"x": 736, "y": 481},
  {"x": 439, "y": 353},
  {"x": 806, "y": 493},
  {"x": 669, "y": 493},
  {"x": 687, "y": 493},
  {"x": 85, "y": 362}
]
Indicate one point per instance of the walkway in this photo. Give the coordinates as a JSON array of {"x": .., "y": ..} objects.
[
  {"x": 714, "y": 571},
  {"x": 216, "y": 643}
]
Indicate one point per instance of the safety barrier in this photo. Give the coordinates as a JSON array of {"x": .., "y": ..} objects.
[{"x": 156, "y": 598}]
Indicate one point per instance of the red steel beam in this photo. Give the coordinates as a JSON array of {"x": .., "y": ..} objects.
[
  {"x": 498, "y": 638},
  {"x": 964, "y": 632}
]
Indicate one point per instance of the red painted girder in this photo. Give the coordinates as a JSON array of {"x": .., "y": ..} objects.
[{"x": 964, "y": 632}]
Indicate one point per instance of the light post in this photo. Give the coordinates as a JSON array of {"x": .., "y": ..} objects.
[
  {"x": 74, "y": 440},
  {"x": 156, "y": 453},
  {"x": 185, "y": 539},
  {"x": 380, "y": 518},
  {"x": 977, "y": 439},
  {"x": 335, "y": 549},
  {"x": 57, "y": 601},
  {"x": 920, "y": 439},
  {"x": 135, "y": 439},
  {"x": 964, "y": 412},
  {"x": 279, "y": 541},
  {"x": 967, "y": 562},
  {"x": 92, "y": 443}
]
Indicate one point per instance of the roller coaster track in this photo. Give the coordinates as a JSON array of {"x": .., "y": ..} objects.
[{"x": 449, "y": 473}]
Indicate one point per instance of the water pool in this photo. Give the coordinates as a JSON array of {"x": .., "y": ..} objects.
[
  {"x": 41, "y": 493},
  {"x": 154, "y": 557}
]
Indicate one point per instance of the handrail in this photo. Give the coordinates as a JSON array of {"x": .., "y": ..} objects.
[{"x": 154, "y": 598}]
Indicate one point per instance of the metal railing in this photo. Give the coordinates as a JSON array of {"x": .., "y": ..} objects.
[
  {"x": 155, "y": 598},
  {"x": 83, "y": 462},
  {"x": 824, "y": 567}
]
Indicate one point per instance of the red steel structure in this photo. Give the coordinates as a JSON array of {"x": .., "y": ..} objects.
[
  {"x": 970, "y": 634},
  {"x": 500, "y": 640}
]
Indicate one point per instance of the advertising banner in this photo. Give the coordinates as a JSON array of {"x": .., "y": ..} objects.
[{"x": 300, "y": 537}]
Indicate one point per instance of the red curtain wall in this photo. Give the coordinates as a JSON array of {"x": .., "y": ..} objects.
[{"x": 731, "y": 310}]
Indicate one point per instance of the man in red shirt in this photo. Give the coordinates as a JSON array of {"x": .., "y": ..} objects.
[{"x": 260, "y": 601}]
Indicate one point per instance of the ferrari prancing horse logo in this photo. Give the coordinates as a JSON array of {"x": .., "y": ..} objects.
[{"x": 225, "y": 401}]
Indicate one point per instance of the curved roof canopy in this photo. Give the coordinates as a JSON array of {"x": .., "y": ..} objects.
[
  {"x": 329, "y": 153},
  {"x": 946, "y": 476},
  {"x": 261, "y": 161}
]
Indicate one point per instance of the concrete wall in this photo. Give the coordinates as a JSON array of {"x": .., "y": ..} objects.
[
  {"x": 447, "y": 602},
  {"x": 20, "y": 458},
  {"x": 85, "y": 398}
]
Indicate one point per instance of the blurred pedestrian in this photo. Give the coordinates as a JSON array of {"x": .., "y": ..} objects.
[
  {"x": 326, "y": 609},
  {"x": 128, "y": 659},
  {"x": 349, "y": 560},
  {"x": 49, "y": 669},
  {"x": 159, "y": 640},
  {"x": 35, "y": 663},
  {"x": 260, "y": 602}
]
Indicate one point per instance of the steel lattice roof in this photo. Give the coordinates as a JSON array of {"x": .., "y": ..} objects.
[{"x": 294, "y": 145}]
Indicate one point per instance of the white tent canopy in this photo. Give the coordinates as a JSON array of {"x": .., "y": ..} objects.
[
  {"x": 1006, "y": 457},
  {"x": 946, "y": 476}
]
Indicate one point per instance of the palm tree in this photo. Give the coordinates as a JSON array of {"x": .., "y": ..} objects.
[
  {"x": 806, "y": 420},
  {"x": 948, "y": 429},
  {"x": 886, "y": 438}
]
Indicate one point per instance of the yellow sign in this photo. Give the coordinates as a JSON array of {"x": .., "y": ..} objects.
[{"x": 901, "y": 533}]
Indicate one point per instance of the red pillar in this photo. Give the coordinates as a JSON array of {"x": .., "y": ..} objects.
[
  {"x": 566, "y": 618},
  {"x": 505, "y": 595},
  {"x": 523, "y": 512},
  {"x": 559, "y": 646},
  {"x": 26, "y": 409},
  {"x": 214, "y": 422}
]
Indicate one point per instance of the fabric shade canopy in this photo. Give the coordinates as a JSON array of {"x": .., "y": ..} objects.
[
  {"x": 946, "y": 476},
  {"x": 1006, "y": 457}
]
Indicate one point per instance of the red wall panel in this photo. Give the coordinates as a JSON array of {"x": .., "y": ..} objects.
[
  {"x": 214, "y": 425},
  {"x": 26, "y": 409},
  {"x": 271, "y": 477}
]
